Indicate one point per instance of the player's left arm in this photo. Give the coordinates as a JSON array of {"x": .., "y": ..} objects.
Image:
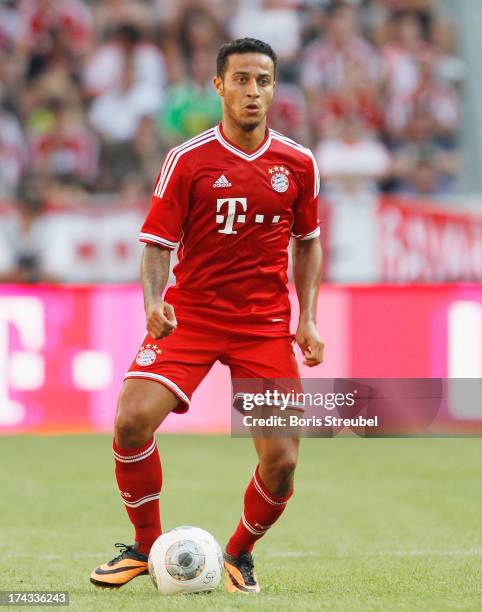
[{"x": 307, "y": 262}]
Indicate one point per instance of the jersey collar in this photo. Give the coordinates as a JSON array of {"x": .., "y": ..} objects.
[{"x": 237, "y": 151}]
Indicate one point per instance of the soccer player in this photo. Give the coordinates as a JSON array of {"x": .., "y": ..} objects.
[{"x": 230, "y": 199}]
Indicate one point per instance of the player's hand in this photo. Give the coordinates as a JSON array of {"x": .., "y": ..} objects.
[
  {"x": 160, "y": 319},
  {"x": 310, "y": 343}
]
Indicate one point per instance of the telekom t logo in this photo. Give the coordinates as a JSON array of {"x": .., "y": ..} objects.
[
  {"x": 22, "y": 370},
  {"x": 231, "y": 216}
]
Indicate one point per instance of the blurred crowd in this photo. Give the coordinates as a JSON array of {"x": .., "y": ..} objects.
[{"x": 92, "y": 94}]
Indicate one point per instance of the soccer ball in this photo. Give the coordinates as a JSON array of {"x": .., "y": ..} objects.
[{"x": 185, "y": 560}]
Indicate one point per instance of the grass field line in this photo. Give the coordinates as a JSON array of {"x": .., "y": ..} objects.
[{"x": 468, "y": 552}]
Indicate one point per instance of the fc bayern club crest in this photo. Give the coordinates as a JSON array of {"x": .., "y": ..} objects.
[
  {"x": 147, "y": 355},
  {"x": 279, "y": 178}
]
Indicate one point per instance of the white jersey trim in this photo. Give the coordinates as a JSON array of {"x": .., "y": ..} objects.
[
  {"x": 242, "y": 154},
  {"x": 173, "y": 157},
  {"x": 144, "y": 237},
  {"x": 306, "y": 151},
  {"x": 314, "y": 234}
]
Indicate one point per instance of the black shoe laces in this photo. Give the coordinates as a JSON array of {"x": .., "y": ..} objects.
[
  {"x": 246, "y": 567},
  {"x": 124, "y": 548}
]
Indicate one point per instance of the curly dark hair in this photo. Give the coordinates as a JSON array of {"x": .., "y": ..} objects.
[{"x": 243, "y": 45}]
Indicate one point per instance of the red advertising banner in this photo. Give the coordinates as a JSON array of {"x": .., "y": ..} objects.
[
  {"x": 421, "y": 243},
  {"x": 64, "y": 350}
]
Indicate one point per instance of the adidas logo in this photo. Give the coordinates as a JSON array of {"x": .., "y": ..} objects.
[{"x": 222, "y": 182}]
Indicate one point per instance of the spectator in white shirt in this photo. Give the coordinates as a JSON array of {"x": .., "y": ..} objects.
[
  {"x": 352, "y": 162},
  {"x": 116, "y": 113},
  {"x": 274, "y": 21},
  {"x": 105, "y": 70}
]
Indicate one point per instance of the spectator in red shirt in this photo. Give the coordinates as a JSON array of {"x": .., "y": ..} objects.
[
  {"x": 328, "y": 59},
  {"x": 38, "y": 18}
]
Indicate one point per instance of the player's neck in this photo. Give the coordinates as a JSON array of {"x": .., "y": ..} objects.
[{"x": 246, "y": 140}]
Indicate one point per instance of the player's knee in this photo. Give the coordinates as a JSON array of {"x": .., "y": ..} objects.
[
  {"x": 132, "y": 425},
  {"x": 278, "y": 476},
  {"x": 280, "y": 469},
  {"x": 280, "y": 460},
  {"x": 125, "y": 428},
  {"x": 285, "y": 468}
]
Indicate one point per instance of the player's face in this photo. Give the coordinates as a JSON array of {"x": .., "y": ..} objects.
[{"x": 247, "y": 88}]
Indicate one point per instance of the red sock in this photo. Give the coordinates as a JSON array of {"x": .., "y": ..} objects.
[
  {"x": 261, "y": 510},
  {"x": 139, "y": 478}
]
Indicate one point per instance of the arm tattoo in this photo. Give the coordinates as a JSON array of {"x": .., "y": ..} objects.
[{"x": 154, "y": 272}]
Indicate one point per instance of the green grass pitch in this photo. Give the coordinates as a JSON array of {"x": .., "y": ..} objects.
[{"x": 373, "y": 525}]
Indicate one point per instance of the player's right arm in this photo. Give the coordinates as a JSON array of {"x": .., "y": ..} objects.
[
  {"x": 160, "y": 316},
  {"x": 161, "y": 232}
]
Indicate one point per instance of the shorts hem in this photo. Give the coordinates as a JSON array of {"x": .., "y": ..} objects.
[{"x": 183, "y": 405}]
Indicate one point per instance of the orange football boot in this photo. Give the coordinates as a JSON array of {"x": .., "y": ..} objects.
[
  {"x": 240, "y": 576},
  {"x": 126, "y": 566}
]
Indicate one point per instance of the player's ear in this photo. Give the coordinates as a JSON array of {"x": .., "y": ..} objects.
[{"x": 218, "y": 85}]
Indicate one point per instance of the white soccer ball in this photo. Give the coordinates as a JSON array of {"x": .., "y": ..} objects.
[{"x": 185, "y": 560}]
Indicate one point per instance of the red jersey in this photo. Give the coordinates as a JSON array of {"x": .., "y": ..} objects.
[{"x": 232, "y": 214}]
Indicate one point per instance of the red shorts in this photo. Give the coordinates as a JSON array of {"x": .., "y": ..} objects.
[{"x": 181, "y": 361}]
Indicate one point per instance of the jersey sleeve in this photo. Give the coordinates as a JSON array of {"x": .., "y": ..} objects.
[
  {"x": 169, "y": 203},
  {"x": 306, "y": 224}
]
